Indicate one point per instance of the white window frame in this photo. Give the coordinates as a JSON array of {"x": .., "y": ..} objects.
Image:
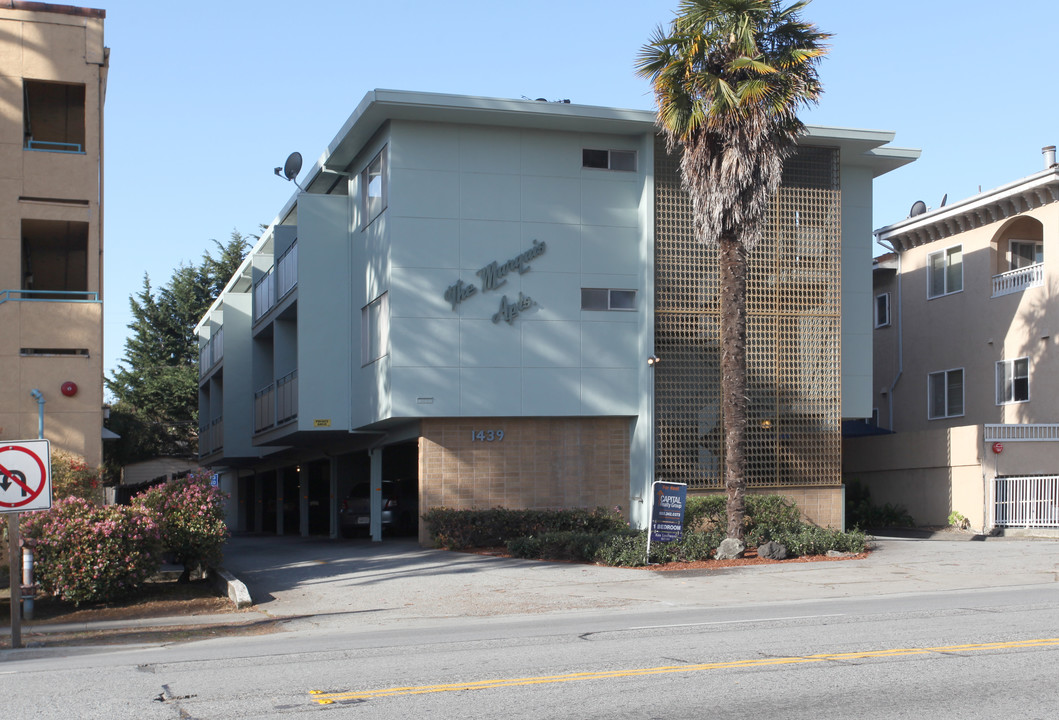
[
  {"x": 369, "y": 207},
  {"x": 610, "y": 159},
  {"x": 945, "y": 254},
  {"x": 885, "y": 323},
  {"x": 1038, "y": 247},
  {"x": 947, "y": 413},
  {"x": 611, "y": 305},
  {"x": 375, "y": 330},
  {"x": 1006, "y": 378}
]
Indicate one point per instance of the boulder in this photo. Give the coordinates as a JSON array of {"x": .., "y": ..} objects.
[
  {"x": 731, "y": 549},
  {"x": 772, "y": 550}
]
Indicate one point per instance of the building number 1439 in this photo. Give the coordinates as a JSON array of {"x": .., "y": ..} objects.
[{"x": 486, "y": 435}]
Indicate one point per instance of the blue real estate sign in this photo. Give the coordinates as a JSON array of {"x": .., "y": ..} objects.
[{"x": 667, "y": 510}]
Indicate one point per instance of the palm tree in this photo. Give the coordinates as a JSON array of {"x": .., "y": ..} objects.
[{"x": 729, "y": 77}]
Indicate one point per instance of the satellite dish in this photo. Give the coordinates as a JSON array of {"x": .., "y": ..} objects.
[
  {"x": 944, "y": 198},
  {"x": 918, "y": 208},
  {"x": 293, "y": 166}
]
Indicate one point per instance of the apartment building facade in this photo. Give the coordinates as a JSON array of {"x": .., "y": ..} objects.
[
  {"x": 463, "y": 296},
  {"x": 967, "y": 359},
  {"x": 53, "y": 76}
]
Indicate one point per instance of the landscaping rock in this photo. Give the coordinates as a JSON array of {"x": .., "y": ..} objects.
[
  {"x": 731, "y": 549},
  {"x": 772, "y": 550},
  {"x": 836, "y": 553}
]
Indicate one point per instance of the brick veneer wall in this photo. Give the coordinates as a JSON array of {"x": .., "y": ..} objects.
[
  {"x": 539, "y": 463},
  {"x": 821, "y": 506}
]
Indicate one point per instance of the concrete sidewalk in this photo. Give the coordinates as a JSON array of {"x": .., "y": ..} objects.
[
  {"x": 381, "y": 583},
  {"x": 376, "y": 584}
]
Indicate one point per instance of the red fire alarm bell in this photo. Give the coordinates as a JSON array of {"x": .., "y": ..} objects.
[{"x": 69, "y": 389}]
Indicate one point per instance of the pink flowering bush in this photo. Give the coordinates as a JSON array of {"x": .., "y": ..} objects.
[
  {"x": 71, "y": 477},
  {"x": 88, "y": 553},
  {"x": 190, "y": 514}
]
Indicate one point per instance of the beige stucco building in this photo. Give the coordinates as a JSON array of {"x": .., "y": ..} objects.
[
  {"x": 966, "y": 350},
  {"x": 53, "y": 76}
]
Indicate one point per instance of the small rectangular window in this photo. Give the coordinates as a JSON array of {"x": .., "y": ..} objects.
[
  {"x": 945, "y": 272},
  {"x": 1013, "y": 381},
  {"x": 374, "y": 329},
  {"x": 54, "y": 352},
  {"x": 607, "y": 299},
  {"x": 624, "y": 160},
  {"x": 882, "y": 310},
  {"x": 374, "y": 188},
  {"x": 945, "y": 394}
]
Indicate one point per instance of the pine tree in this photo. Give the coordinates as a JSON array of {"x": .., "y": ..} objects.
[{"x": 156, "y": 386}]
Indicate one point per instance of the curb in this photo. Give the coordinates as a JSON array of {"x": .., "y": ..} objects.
[{"x": 230, "y": 585}]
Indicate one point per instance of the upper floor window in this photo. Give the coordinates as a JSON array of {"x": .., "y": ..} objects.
[
  {"x": 1013, "y": 381},
  {"x": 945, "y": 272},
  {"x": 373, "y": 183},
  {"x": 609, "y": 159},
  {"x": 607, "y": 299},
  {"x": 882, "y": 310},
  {"x": 945, "y": 394},
  {"x": 375, "y": 329},
  {"x": 1024, "y": 253},
  {"x": 53, "y": 116}
]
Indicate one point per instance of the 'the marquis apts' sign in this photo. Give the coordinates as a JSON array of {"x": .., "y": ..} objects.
[{"x": 493, "y": 276}]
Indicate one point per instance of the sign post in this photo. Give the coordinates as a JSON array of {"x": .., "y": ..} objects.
[
  {"x": 667, "y": 512},
  {"x": 25, "y": 484}
]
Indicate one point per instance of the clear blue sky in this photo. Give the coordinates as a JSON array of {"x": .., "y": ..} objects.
[{"x": 204, "y": 99}]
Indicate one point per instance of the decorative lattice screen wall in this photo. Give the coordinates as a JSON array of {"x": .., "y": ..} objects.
[{"x": 793, "y": 334}]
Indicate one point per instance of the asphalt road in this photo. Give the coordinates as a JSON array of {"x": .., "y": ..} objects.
[{"x": 977, "y": 653}]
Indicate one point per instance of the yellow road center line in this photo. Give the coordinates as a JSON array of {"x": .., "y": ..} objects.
[{"x": 329, "y": 698}]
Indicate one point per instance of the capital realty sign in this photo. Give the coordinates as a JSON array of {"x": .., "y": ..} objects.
[{"x": 493, "y": 276}]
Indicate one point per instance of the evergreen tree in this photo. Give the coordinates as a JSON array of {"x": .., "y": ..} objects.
[{"x": 156, "y": 386}]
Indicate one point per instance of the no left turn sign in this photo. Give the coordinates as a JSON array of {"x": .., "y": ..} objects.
[{"x": 25, "y": 476}]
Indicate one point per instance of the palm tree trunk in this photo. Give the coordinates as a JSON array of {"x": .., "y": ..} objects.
[{"x": 733, "y": 377}]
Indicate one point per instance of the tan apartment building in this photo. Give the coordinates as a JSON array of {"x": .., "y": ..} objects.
[
  {"x": 966, "y": 360},
  {"x": 53, "y": 77}
]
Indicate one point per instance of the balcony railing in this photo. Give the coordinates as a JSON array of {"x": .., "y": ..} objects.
[
  {"x": 211, "y": 437},
  {"x": 288, "y": 271},
  {"x": 287, "y": 397},
  {"x": 212, "y": 352},
  {"x": 1015, "y": 281},
  {"x": 264, "y": 408},
  {"x": 280, "y": 279},
  {"x": 276, "y": 403},
  {"x": 78, "y": 296},
  {"x": 264, "y": 295}
]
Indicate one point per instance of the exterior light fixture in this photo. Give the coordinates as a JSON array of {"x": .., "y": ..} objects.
[{"x": 653, "y": 360}]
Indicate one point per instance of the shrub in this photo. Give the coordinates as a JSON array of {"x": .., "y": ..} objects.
[
  {"x": 861, "y": 512},
  {"x": 459, "y": 529},
  {"x": 563, "y": 545},
  {"x": 770, "y": 516},
  {"x": 88, "y": 553},
  {"x": 71, "y": 477},
  {"x": 812, "y": 540},
  {"x": 190, "y": 515},
  {"x": 705, "y": 511}
]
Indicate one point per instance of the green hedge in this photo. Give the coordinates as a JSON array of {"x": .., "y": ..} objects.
[
  {"x": 460, "y": 529},
  {"x": 604, "y": 537}
]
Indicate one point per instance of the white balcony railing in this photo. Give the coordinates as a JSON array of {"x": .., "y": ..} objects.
[
  {"x": 212, "y": 352},
  {"x": 1015, "y": 281}
]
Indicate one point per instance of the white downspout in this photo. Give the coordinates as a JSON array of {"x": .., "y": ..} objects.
[{"x": 900, "y": 343}]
